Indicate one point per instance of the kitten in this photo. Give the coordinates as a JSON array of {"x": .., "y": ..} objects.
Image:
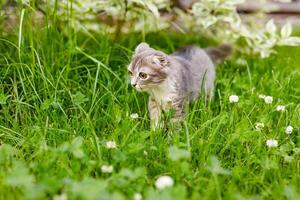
[{"x": 173, "y": 80}]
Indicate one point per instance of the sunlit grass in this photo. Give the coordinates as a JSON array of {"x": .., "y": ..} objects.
[{"x": 64, "y": 95}]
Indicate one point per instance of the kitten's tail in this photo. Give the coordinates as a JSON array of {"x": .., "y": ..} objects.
[{"x": 220, "y": 53}]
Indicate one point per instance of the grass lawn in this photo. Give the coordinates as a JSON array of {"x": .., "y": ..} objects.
[{"x": 63, "y": 95}]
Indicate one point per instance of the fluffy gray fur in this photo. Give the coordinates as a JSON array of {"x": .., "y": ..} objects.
[{"x": 173, "y": 80}]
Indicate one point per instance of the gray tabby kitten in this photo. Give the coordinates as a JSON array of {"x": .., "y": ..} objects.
[{"x": 173, "y": 80}]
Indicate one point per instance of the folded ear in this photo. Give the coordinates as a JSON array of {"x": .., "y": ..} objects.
[
  {"x": 141, "y": 47},
  {"x": 161, "y": 60}
]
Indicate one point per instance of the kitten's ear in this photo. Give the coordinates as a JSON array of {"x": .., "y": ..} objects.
[
  {"x": 141, "y": 47},
  {"x": 161, "y": 60}
]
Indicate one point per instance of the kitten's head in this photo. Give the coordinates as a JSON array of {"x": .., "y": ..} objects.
[{"x": 148, "y": 67}]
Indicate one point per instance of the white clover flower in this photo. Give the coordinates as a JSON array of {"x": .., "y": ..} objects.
[
  {"x": 134, "y": 116},
  {"x": 137, "y": 196},
  {"x": 164, "y": 182},
  {"x": 262, "y": 96},
  {"x": 272, "y": 143},
  {"x": 111, "y": 145},
  {"x": 233, "y": 99},
  {"x": 259, "y": 126},
  {"x": 60, "y": 197},
  {"x": 289, "y": 130},
  {"x": 107, "y": 168},
  {"x": 280, "y": 108},
  {"x": 268, "y": 99}
]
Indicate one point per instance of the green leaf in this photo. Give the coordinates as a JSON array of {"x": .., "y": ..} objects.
[
  {"x": 119, "y": 156},
  {"x": 77, "y": 142},
  {"x": 46, "y": 104},
  {"x": 6, "y": 152},
  {"x": 173, "y": 193},
  {"x": 177, "y": 154},
  {"x": 216, "y": 168},
  {"x": 132, "y": 174},
  {"x": 291, "y": 192},
  {"x": 75, "y": 147},
  {"x": 3, "y": 99},
  {"x": 268, "y": 164},
  {"x": 19, "y": 176},
  {"x": 49, "y": 103},
  {"x": 79, "y": 98},
  {"x": 296, "y": 150},
  {"x": 78, "y": 153},
  {"x": 89, "y": 188}
]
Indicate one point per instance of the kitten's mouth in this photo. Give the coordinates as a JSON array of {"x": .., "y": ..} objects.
[
  {"x": 144, "y": 88},
  {"x": 141, "y": 88}
]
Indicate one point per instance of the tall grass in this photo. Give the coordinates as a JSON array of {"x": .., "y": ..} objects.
[{"x": 63, "y": 94}]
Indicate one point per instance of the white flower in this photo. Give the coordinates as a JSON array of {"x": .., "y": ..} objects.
[
  {"x": 60, "y": 197},
  {"x": 164, "y": 182},
  {"x": 111, "y": 145},
  {"x": 259, "y": 126},
  {"x": 272, "y": 143},
  {"x": 261, "y": 96},
  {"x": 137, "y": 196},
  {"x": 134, "y": 116},
  {"x": 233, "y": 99},
  {"x": 268, "y": 99},
  {"x": 107, "y": 168},
  {"x": 289, "y": 130},
  {"x": 280, "y": 108}
]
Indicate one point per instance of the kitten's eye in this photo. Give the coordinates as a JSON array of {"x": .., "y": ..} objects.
[
  {"x": 143, "y": 75},
  {"x": 130, "y": 73}
]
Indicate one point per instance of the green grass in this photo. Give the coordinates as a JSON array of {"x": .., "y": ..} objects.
[{"x": 64, "y": 94}]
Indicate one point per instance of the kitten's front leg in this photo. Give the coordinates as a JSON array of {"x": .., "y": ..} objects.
[
  {"x": 154, "y": 113},
  {"x": 178, "y": 106}
]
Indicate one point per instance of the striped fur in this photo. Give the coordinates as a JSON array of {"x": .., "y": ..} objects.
[{"x": 172, "y": 80}]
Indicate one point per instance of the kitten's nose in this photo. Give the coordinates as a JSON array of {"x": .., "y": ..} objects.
[{"x": 133, "y": 84}]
